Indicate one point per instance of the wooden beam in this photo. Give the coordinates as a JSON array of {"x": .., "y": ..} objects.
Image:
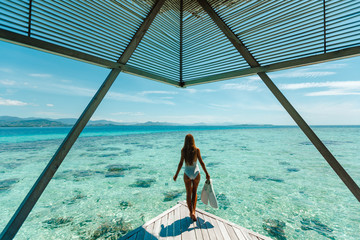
[
  {"x": 34, "y": 194},
  {"x": 305, "y": 61},
  {"x": 340, "y": 171},
  {"x": 34, "y": 43},
  {"x": 151, "y": 76}
]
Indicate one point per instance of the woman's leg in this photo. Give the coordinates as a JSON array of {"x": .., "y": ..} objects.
[
  {"x": 189, "y": 189},
  {"x": 194, "y": 194}
]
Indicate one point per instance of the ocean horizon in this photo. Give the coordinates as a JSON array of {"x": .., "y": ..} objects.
[{"x": 269, "y": 179}]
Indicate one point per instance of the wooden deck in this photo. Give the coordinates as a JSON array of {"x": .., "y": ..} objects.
[{"x": 175, "y": 224}]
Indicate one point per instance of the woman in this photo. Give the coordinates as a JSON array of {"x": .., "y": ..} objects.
[{"x": 190, "y": 153}]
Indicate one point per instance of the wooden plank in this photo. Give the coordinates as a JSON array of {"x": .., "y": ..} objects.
[
  {"x": 191, "y": 227},
  {"x": 161, "y": 215},
  {"x": 170, "y": 226},
  {"x": 156, "y": 229},
  {"x": 163, "y": 230},
  {"x": 202, "y": 224},
  {"x": 197, "y": 229},
  {"x": 222, "y": 228},
  {"x": 213, "y": 217},
  {"x": 148, "y": 232},
  {"x": 239, "y": 234},
  {"x": 246, "y": 233},
  {"x": 185, "y": 223},
  {"x": 231, "y": 231},
  {"x": 177, "y": 224},
  {"x": 217, "y": 231}
]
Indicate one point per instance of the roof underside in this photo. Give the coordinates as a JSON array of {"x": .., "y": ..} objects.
[{"x": 183, "y": 43}]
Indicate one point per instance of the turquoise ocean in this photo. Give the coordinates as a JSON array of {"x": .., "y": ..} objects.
[{"x": 269, "y": 179}]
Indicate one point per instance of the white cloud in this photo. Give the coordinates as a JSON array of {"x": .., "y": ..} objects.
[
  {"x": 190, "y": 90},
  {"x": 335, "y": 88},
  {"x": 221, "y": 106},
  {"x": 193, "y": 91},
  {"x": 73, "y": 90},
  {"x": 240, "y": 86},
  {"x": 302, "y": 73},
  {"x": 50, "y": 105},
  {"x": 157, "y": 92},
  {"x": 253, "y": 78},
  {"x": 137, "y": 98},
  {"x": 335, "y": 84},
  {"x": 208, "y": 90},
  {"x": 338, "y": 92},
  {"x": 41, "y": 75},
  {"x": 10, "y": 102},
  {"x": 6, "y": 70},
  {"x": 329, "y": 66},
  {"x": 7, "y": 82}
]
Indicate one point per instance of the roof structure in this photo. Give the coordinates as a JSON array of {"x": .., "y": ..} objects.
[
  {"x": 185, "y": 45},
  {"x": 182, "y": 43}
]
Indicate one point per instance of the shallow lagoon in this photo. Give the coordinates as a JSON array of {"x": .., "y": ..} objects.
[{"x": 268, "y": 179}]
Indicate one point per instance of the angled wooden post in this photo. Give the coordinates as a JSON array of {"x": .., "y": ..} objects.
[
  {"x": 34, "y": 194},
  {"x": 238, "y": 44}
]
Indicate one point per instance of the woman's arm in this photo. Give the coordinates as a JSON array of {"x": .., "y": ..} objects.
[
  {"x": 202, "y": 164},
  {"x": 182, "y": 158}
]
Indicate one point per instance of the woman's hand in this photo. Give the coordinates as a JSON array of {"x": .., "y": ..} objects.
[
  {"x": 207, "y": 177},
  {"x": 175, "y": 177}
]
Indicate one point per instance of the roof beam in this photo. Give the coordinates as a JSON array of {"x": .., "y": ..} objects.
[
  {"x": 34, "y": 43},
  {"x": 237, "y": 43},
  {"x": 305, "y": 61},
  {"x": 145, "y": 74}
]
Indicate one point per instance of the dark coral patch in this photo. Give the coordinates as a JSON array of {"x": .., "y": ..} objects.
[
  {"x": 58, "y": 222},
  {"x": 259, "y": 178},
  {"x": 7, "y": 184},
  {"x": 223, "y": 201},
  {"x": 115, "y": 174},
  {"x": 293, "y": 170},
  {"x": 275, "y": 228},
  {"x": 212, "y": 164},
  {"x": 143, "y": 183},
  {"x": 106, "y": 155},
  {"x": 74, "y": 199},
  {"x": 171, "y": 195},
  {"x": 112, "y": 230},
  {"x": 125, "y": 204},
  {"x": 315, "y": 225},
  {"x": 121, "y": 167}
]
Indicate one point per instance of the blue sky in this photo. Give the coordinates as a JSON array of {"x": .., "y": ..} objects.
[{"x": 38, "y": 84}]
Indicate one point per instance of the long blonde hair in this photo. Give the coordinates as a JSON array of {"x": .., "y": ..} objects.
[{"x": 189, "y": 149}]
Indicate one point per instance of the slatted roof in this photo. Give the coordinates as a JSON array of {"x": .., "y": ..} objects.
[{"x": 184, "y": 45}]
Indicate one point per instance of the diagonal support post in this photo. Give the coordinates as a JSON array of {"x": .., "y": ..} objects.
[
  {"x": 35, "y": 192},
  {"x": 238, "y": 44}
]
